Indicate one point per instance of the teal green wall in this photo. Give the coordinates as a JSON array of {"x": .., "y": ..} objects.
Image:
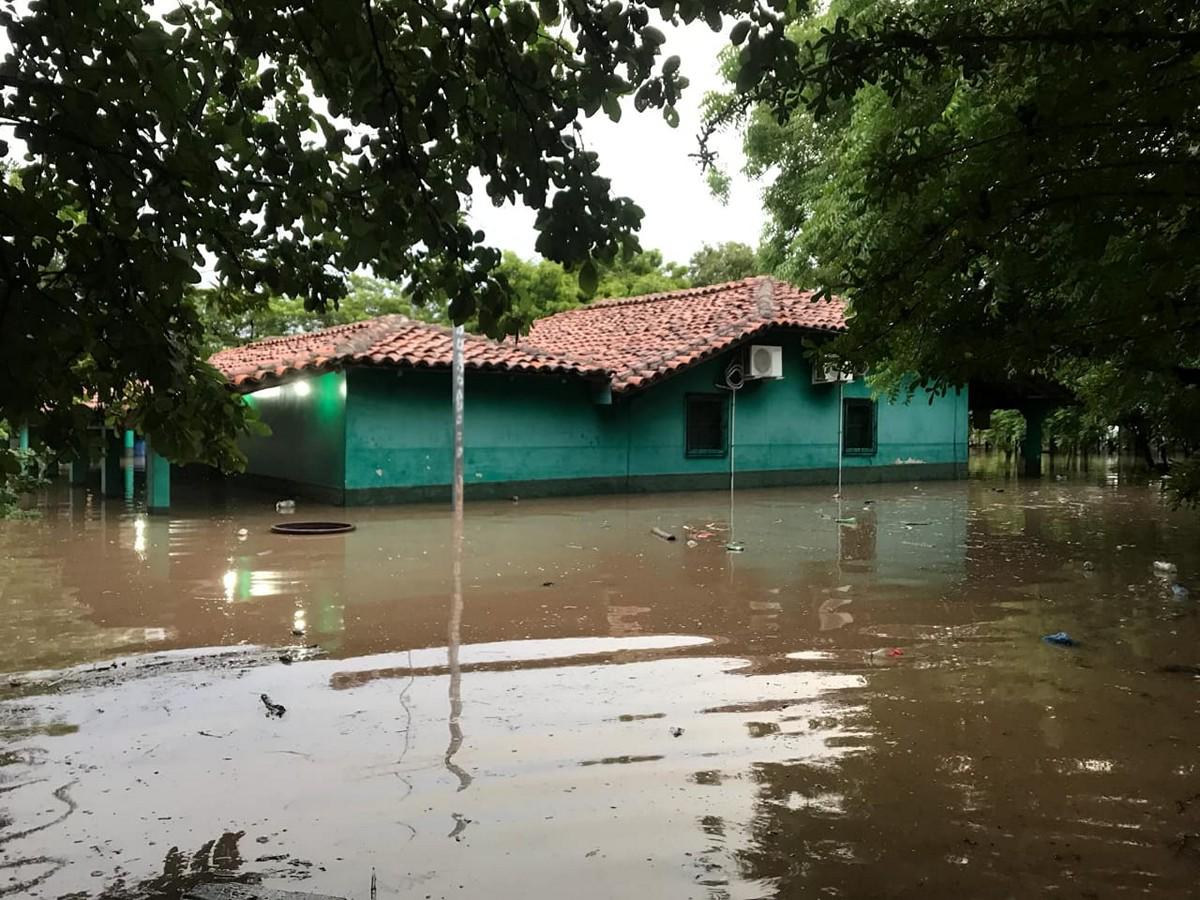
[
  {"x": 307, "y": 444},
  {"x": 517, "y": 427},
  {"x": 378, "y": 429},
  {"x": 790, "y": 423}
]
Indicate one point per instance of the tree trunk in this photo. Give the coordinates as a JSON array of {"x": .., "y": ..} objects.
[{"x": 1141, "y": 444}]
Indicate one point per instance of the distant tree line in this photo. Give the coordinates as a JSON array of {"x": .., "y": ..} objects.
[{"x": 538, "y": 288}]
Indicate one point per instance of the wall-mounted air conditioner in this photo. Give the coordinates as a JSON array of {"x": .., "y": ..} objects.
[
  {"x": 829, "y": 372},
  {"x": 764, "y": 361}
]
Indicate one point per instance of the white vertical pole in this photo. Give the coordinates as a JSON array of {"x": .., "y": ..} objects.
[
  {"x": 456, "y": 389},
  {"x": 732, "y": 455},
  {"x": 841, "y": 440}
]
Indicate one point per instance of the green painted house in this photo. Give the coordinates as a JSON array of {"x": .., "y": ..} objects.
[{"x": 663, "y": 392}]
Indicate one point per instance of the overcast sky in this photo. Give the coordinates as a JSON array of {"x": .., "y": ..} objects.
[{"x": 648, "y": 161}]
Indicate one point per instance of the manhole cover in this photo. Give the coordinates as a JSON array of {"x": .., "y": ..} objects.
[{"x": 312, "y": 528}]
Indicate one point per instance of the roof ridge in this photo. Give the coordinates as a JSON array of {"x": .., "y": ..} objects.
[
  {"x": 343, "y": 328},
  {"x": 764, "y": 297},
  {"x": 659, "y": 296},
  {"x": 531, "y": 349}
]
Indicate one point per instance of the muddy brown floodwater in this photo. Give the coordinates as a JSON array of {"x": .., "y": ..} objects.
[{"x": 863, "y": 709}]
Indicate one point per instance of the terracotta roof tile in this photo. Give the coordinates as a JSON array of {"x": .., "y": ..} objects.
[
  {"x": 643, "y": 339},
  {"x": 634, "y": 341},
  {"x": 387, "y": 340}
]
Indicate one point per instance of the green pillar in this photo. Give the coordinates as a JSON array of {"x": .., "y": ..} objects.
[
  {"x": 129, "y": 442},
  {"x": 1031, "y": 447},
  {"x": 158, "y": 481},
  {"x": 23, "y": 438},
  {"x": 111, "y": 484}
]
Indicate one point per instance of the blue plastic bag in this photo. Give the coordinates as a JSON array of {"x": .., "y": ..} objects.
[{"x": 1061, "y": 638}]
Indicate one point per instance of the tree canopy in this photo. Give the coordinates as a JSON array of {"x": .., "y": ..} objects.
[
  {"x": 276, "y": 145},
  {"x": 537, "y": 288},
  {"x": 541, "y": 288},
  {"x": 717, "y": 264},
  {"x": 232, "y": 318},
  {"x": 1003, "y": 190}
]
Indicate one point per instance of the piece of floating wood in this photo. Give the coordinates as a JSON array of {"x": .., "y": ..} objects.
[{"x": 665, "y": 535}]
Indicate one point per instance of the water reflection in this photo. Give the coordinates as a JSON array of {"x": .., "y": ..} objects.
[{"x": 650, "y": 718}]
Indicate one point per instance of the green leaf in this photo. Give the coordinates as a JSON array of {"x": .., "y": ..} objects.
[
  {"x": 653, "y": 37},
  {"x": 588, "y": 278},
  {"x": 612, "y": 106},
  {"x": 738, "y": 33}
]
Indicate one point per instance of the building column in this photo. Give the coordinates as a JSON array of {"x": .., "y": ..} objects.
[
  {"x": 23, "y": 437},
  {"x": 1031, "y": 447},
  {"x": 80, "y": 469},
  {"x": 127, "y": 453},
  {"x": 111, "y": 484},
  {"x": 158, "y": 481}
]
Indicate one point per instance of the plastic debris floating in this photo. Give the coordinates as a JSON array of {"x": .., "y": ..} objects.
[{"x": 1060, "y": 639}]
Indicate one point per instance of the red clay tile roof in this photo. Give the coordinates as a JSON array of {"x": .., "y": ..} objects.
[
  {"x": 643, "y": 339},
  {"x": 387, "y": 340},
  {"x": 634, "y": 342}
]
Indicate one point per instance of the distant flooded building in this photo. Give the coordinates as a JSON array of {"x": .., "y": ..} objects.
[{"x": 662, "y": 392}]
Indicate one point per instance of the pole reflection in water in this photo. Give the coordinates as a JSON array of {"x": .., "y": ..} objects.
[{"x": 453, "y": 638}]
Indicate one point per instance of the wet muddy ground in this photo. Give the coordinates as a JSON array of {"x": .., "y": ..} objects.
[{"x": 864, "y": 709}]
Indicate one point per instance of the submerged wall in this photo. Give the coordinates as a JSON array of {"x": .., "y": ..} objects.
[
  {"x": 529, "y": 434},
  {"x": 384, "y": 435},
  {"x": 517, "y": 427},
  {"x": 787, "y": 429}
]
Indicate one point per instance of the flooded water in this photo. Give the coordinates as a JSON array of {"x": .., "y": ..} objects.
[{"x": 863, "y": 708}]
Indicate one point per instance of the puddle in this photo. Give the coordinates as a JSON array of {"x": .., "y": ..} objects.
[{"x": 623, "y": 715}]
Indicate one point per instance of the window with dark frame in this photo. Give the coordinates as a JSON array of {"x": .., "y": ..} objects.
[
  {"x": 858, "y": 427},
  {"x": 705, "y": 429}
]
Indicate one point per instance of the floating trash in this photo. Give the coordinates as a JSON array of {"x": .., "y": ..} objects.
[{"x": 1060, "y": 639}]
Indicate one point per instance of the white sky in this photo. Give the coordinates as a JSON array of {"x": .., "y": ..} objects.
[{"x": 648, "y": 162}]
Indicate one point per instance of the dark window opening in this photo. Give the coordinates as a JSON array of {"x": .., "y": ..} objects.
[
  {"x": 705, "y": 435},
  {"x": 858, "y": 427}
]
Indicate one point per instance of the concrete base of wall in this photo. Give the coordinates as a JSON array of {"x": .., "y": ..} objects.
[
  {"x": 643, "y": 484},
  {"x": 284, "y": 489}
]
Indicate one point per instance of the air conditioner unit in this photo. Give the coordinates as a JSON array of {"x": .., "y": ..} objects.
[
  {"x": 764, "y": 361},
  {"x": 829, "y": 372}
]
